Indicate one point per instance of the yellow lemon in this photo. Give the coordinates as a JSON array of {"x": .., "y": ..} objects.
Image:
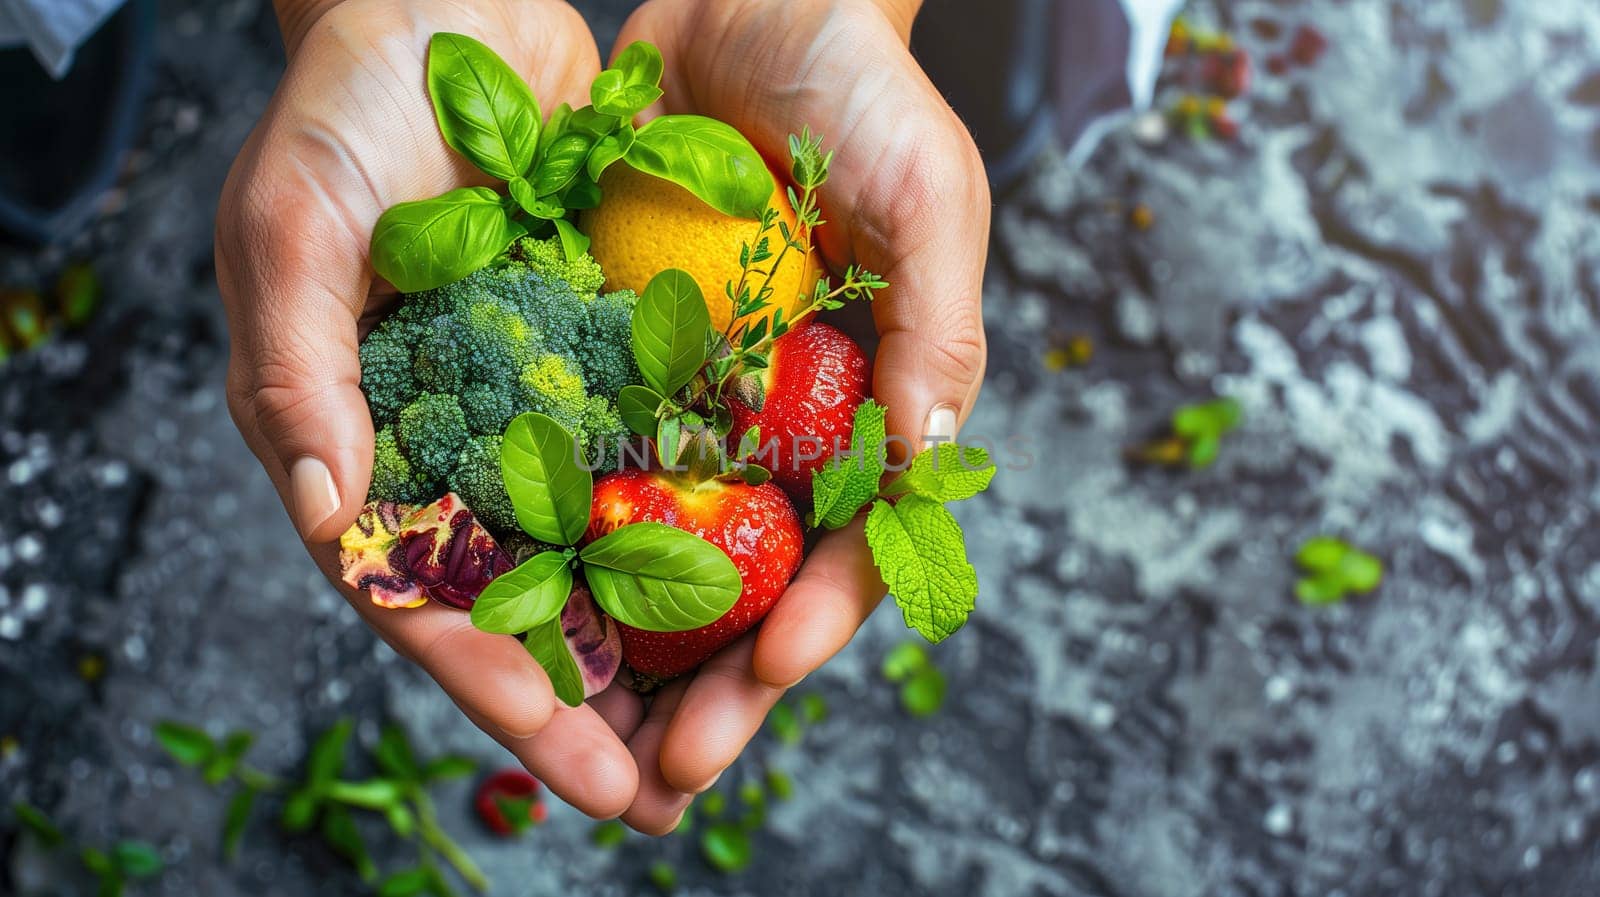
[{"x": 645, "y": 225}]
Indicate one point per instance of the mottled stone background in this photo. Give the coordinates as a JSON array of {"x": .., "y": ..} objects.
[{"x": 1396, "y": 269}]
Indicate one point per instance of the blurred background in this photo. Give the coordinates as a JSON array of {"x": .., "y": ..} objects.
[{"x": 1325, "y": 315}]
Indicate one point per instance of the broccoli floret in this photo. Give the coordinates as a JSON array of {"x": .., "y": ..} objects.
[
  {"x": 553, "y": 385},
  {"x": 602, "y": 423},
  {"x": 392, "y": 475},
  {"x": 386, "y": 373},
  {"x": 450, "y": 368},
  {"x": 547, "y": 259},
  {"x": 476, "y": 479},
  {"x": 489, "y": 408},
  {"x": 431, "y": 432},
  {"x": 610, "y": 325}
]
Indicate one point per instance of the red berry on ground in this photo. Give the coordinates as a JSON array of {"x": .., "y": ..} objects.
[
  {"x": 816, "y": 377},
  {"x": 1278, "y": 65},
  {"x": 508, "y": 802},
  {"x": 1232, "y": 76},
  {"x": 1308, "y": 45},
  {"x": 755, "y": 525}
]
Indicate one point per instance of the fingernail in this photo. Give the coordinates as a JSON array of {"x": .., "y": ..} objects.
[
  {"x": 940, "y": 425},
  {"x": 316, "y": 498}
]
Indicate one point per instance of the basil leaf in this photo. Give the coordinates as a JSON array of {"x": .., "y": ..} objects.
[
  {"x": 612, "y": 95},
  {"x": 520, "y": 599},
  {"x": 594, "y": 123},
  {"x": 669, "y": 331},
  {"x": 486, "y": 111},
  {"x": 426, "y": 244},
  {"x": 609, "y": 149},
  {"x": 554, "y": 127},
  {"x": 659, "y": 578},
  {"x": 548, "y": 646},
  {"x": 562, "y": 162},
  {"x": 706, "y": 157},
  {"x": 669, "y": 432},
  {"x": 327, "y": 755},
  {"x": 583, "y": 193},
  {"x": 573, "y": 241},
  {"x": 638, "y": 406},
  {"x": 522, "y": 192},
  {"x": 639, "y": 63},
  {"x": 550, "y": 491}
]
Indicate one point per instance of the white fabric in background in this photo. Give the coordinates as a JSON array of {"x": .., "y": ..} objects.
[
  {"x": 53, "y": 29},
  {"x": 1088, "y": 118}
]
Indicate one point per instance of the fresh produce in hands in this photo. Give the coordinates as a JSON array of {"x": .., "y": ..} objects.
[
  {"x": 754, "y": 525},
  {"x": 506, "y": 381}
]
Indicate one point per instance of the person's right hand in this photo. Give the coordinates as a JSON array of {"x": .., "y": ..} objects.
[{"x": 350, "y": 132}]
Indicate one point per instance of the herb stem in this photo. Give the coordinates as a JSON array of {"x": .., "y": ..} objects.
[
  {"x": 434, "y": 836},
  {"x": 258, "y": 780}
]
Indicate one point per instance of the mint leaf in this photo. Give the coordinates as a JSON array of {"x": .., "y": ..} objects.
[
  {"x": 35, "y": 820},
  {"x": 522, "y": 598},
  {"x": 393, "y": 754},
  {"x": 918, "y": 548},
  {"x": 1360, "y": 571},
  {"x": 670, "y": 323},
  {"x": 548, "y": 646},
  {"x": 663, "y": 876},
  {"x": 187, "y": 744},
  {"x": 904, "y": 661},
  {"x": 608, "y": 834},
  {"x": 327, "y": 755},
  {"x": 136, "y": 859},
  {"x": 726, "y": 847},
  {"x": 550, "y": 491},
  {"x": 923, "y": 695},
  {"x": 226, "y": 760},
  {"x": 946, "y": 472},
  {"x": 840, "y": 489},
  {"x": 238, "y": 815},
  {"x": 659, "y": 578}
]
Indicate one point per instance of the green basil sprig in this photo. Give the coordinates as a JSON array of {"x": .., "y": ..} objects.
[
  {"x": 551, "y": 170},
  {"x": 647, "y": 575}
]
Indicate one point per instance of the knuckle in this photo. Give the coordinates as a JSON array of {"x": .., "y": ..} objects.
[{"x": 962, "y": 350}]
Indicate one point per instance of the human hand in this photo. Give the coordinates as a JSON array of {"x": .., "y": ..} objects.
[
  {"x": 350, "y": 132},
  {"x": 908, "y": 199}
]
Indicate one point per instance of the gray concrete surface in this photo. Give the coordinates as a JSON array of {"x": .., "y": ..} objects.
[{"x": 1396, "y": 270}]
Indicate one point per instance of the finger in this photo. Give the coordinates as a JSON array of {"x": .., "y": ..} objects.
[
  {"x": 658, "y": 806},
  {"x": 835, "y": 591},
  {"x": 620, "y": 708},
  {"x": 581, "y": 760},
  {"x": 293, "y": 282},
  {"x": 723, "y": 708}
]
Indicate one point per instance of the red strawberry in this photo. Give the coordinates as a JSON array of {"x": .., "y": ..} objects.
[
  {"x": 508, "y": 802},
  {"x": 814, "y": 381},
  {"x": 755, "y": 525}
]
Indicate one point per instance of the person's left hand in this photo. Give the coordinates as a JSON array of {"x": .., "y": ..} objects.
[{"x": 908, "y": 199}]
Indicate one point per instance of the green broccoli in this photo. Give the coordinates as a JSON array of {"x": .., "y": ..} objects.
[{"x": 449, "y": 369}]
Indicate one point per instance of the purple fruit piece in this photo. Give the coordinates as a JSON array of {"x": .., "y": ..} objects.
[
  {"x": 449, "y": 553},
  {"x": 592, "y": 639},
  {"x": 365, "y": 551},
  {"x": 404, "y": 555}
]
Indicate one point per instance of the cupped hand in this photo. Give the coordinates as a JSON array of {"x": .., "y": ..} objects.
[
  {"x": 908, "y": 199},
  {"x": 349, "y": 132}
]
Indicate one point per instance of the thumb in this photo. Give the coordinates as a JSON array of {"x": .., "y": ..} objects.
[
  {"x": 294, "y": 286},
  {"x": 921, "y": 220}
]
